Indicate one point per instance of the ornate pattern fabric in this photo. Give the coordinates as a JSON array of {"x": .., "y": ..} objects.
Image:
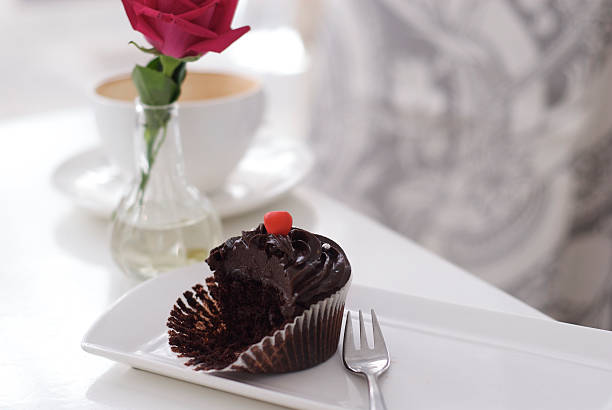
[{"x": 482, "y": 130}]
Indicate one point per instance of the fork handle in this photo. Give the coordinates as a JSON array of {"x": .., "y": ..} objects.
[{"x": 376, "y": 397}]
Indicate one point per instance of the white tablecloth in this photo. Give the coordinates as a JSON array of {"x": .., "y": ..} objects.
[{"x": 57, "y": 276}]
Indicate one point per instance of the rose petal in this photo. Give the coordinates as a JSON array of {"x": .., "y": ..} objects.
[
  {"x": 194, "y": 29},
  {"x": 174, "y": 6},
  {"x": 175, "y": 40},
  {"x": 218, "y": 44},
  {"x": 127, "y": 5},
  {"x": 149, "y": 32},
  {"x": 161, "y": 18},
  {"x": 224, "y": 14},
  {"x": 207, "y": 7},
  {"x": 140, "y": 24}
]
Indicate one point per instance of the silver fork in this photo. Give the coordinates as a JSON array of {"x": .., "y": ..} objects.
[{"x": 369, "y": 362}]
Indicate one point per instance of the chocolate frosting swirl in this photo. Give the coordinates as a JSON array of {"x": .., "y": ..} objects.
[{"x": 303, "y": 267}]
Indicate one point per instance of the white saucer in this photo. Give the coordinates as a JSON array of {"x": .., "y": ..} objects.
[{"x": 270, "y": 168}]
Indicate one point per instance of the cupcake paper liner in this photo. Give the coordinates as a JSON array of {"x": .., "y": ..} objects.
[{"x": 309, "y": 339}]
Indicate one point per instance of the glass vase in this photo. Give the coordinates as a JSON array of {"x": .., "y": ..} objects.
[{"x": 162, "y": 222}]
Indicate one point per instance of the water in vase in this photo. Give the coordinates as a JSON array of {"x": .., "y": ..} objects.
[{"x": 144, "y": 251}]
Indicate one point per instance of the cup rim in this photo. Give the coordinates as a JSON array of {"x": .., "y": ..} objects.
[{"x": 255, "y": 89}]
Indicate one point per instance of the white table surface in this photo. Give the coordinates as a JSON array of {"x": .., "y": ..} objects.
[{"x": 57, "y": 276}]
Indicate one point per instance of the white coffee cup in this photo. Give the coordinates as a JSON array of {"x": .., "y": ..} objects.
[{"x": 219, "y": 114}]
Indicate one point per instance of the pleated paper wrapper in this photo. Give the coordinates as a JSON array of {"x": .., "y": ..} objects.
[{"x": 309, "y": 339}]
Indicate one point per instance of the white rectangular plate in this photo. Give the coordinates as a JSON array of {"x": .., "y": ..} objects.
[{"x": 443, "y": 356}]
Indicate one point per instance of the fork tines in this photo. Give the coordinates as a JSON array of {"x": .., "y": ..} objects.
[{"x": 379, "y": 340}]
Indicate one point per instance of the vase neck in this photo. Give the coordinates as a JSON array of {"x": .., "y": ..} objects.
[
  {"x": 157, "y": 138},
  {"x": 157, "y": 145}
]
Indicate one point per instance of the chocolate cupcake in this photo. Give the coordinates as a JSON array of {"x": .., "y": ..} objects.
[{"x": 274, "y": 303}]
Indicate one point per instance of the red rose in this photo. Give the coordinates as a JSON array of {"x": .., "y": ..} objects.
[{"x": 181, "y": 28}]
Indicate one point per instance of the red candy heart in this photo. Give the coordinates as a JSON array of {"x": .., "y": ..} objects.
[{"x": 278, "y": 222}]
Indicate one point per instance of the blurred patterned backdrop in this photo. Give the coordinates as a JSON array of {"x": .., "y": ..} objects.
[{"x": 480, "y": 129}]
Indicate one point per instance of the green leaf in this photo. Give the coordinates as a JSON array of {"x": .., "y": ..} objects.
[
  {"x": 179, "y": 74},
  {"x": 151, "y": 50},
  {"x": 155, "y": 64},
  {"x": 154, "y": 87},
  {"x": 169, "y": 64},
  {"x": 162, "y": 63}
]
